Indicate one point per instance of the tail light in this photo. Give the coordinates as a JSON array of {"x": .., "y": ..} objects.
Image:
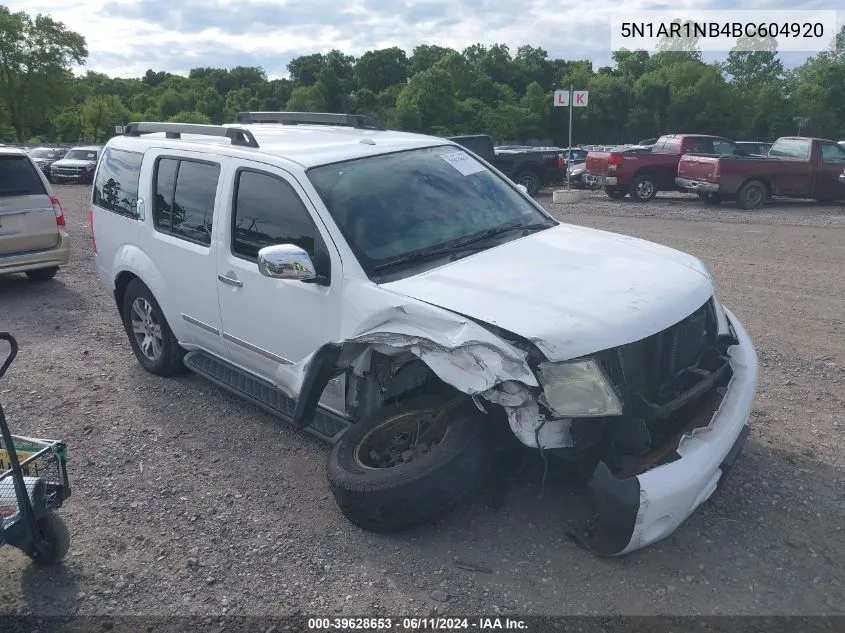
[
  {"x": 615, "y": 159},
  {"x": 57, "y": 208},
  {"x": 561, "y": 162},
  {"x": 717, "y": 169},
  {"x": 91, "y": 227}
]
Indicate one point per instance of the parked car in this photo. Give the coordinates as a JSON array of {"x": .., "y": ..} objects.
[
  {"x": 32, "y": 237},
  {"x": 796, "y": 167},
  {"x": 755, "y": 148},
  {"x": 44, "y": 157},
  {"x": 77, "y": 166},
  {"x": 643, "y": 173},
  {"x": 402, "y": 300},
  {"x": 532, "y": 168},
  {"x": 579, "y": 155}
]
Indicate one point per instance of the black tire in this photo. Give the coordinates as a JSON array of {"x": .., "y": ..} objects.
[
  {"x": 169, "y": 361},
  {"x": 530, "y": 181},
  {"x": 713, "y": 199},
  {"x": 418, "y": 491},
  {"x": 617, "y": 193},
  {"x": 643, "y": 188},
  {"x": 751, "y": 195},
  {"x": 54, "y": 531},
  {"x": 42, "y": 274}
]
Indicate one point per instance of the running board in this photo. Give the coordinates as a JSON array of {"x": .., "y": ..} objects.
[{"x": 326, "y": 425}]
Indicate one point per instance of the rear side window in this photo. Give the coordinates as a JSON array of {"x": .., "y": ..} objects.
[
  {"x": 670, "y": 146},
  {"x": 267, "y": 212},
  {"x": 116, "y": 186},
  {"x": 19, "y": 178},
  {"x": 723, "y": 148},
  {"x": 791, "y": 148},
  {"x": 184, "y": 196},
  {"x": 832, "y": 153}
]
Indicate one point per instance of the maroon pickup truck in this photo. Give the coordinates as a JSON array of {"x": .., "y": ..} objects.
[
  {"x": 643, "y": 174},
  {"x": 796, "y": 167}
]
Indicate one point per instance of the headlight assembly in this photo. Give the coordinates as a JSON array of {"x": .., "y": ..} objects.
[{"x": 578, "y": 389}]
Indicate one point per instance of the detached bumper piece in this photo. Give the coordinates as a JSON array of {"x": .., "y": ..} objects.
[{"x": 631, "y": 512}]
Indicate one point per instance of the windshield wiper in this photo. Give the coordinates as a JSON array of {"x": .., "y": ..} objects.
[{"x": 471, "y": 242}]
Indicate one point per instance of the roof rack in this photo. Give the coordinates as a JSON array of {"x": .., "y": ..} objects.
[
  {"x": 359, "y": 121},
  {"x": 238, "y": 136}
]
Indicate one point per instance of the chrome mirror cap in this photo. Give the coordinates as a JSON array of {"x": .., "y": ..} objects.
[{"x": 286, "y": 261}]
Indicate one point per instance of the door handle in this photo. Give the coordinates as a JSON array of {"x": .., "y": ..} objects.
[{"x": 230, "y": 280}]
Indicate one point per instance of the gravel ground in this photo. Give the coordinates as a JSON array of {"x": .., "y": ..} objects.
[{"x": 187, "y": 500}]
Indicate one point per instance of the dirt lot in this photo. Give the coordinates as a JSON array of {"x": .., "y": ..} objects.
[{"x": 187, "y": 500}]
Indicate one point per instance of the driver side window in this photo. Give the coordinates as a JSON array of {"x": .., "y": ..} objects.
[
  {"x": 267, "y": 211},
  {"x": 832, "y": 153}
]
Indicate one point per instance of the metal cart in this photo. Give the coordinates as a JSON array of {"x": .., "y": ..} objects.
[{"x": 33, "y": 484}]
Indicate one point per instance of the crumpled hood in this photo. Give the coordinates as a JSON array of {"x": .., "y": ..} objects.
[{"x": 570, "y": 290}]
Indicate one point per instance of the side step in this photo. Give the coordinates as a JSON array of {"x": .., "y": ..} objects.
[{"x": 326, "y": 425}]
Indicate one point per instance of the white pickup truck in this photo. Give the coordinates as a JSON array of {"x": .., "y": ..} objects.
[{"x": 396, "y": 295}]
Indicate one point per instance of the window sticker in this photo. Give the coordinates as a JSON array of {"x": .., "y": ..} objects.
[{"x": 463, "y": 162}]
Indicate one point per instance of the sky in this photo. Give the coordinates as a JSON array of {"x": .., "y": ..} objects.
[{"x": 126, "y": 37}]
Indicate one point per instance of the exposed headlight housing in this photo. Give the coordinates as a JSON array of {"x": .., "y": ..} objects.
[{"x": 578, "y": 389}]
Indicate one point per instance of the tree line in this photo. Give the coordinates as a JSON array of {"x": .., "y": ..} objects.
[{"x": 436, "y": 90}]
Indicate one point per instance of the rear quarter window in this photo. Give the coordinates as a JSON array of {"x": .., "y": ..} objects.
[
  {"x": 795, "y": 148},
  {"x": 116, "y": 185},
  {"x": 18, "y": 177}
]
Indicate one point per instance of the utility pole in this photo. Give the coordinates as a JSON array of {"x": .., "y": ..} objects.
[{"x": 569, "y": 149}]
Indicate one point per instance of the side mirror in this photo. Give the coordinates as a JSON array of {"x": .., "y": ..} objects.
[
  {"x": 286, "y": 261},
  {"x": 522, "y": 188}
]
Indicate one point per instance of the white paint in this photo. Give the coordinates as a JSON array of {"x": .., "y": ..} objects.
[
  {"x": 561, "y": 98},
  {"x": 571, "y": 290},
  {"x": 580, "y": 99},
  {"x": 669, "y": 494}
]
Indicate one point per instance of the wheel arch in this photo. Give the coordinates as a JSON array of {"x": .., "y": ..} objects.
[{"x": 130, "y": 263}]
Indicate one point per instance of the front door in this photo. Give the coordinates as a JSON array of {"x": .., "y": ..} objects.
[
  {"x": 828, "y": 186},
  {"x": 269, "y": 323}
]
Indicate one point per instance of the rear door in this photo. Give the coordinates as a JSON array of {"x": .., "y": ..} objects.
[
  {"x": 27, "y": 218},
  {"x": 182, "y": 197}
]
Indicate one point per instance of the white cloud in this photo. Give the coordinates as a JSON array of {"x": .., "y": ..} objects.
[{"x": 126, "y": 37}]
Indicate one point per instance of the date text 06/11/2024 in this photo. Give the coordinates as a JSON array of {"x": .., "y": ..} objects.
[{"x": 416, "y": 624}]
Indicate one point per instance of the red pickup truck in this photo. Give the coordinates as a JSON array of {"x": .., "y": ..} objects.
[
  {"x": 643, "y": 174},
  {"x": 796, "y": 167}
]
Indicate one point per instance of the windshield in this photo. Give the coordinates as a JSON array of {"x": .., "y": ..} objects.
[
  {"x": 81, "y": 154},
  {"x": 43, "y": 153},
  {"x": 396, "y": 205}
]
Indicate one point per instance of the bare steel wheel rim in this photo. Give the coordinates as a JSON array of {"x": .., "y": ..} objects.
[
  {"x": 645, "y": 188},
  {"x": 146, "y": 329},
  {"x": 753, "y": 195},
  {"x": 404, "y": 438}
]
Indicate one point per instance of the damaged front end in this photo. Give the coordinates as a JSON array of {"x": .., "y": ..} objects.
[{"x": 634, "y": 415}]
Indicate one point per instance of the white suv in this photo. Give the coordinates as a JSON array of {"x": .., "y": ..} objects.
[{"x": 399, "y": 297}]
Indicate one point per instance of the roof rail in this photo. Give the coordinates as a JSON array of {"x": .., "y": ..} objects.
[
  {"x": 238, "y": 136},
  {"x": 360, "y": 121}
]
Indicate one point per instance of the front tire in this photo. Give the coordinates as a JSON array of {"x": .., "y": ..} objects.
[
  {"x": 410, "y": 463},
  {"x": 151, "y": 338},
  {"x": 643, "y": 188},
  {"x": 42, "y": 274}
]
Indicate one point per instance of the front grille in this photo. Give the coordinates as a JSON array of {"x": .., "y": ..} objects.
[
  {"x": 68, "y": 171},
  {"x": 658, "y": 369}
]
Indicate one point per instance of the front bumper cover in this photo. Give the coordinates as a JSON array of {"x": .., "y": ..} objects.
[{"x": 635, "y": 512}]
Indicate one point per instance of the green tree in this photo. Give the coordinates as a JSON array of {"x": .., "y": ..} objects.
[
  {"x": 379, "y": 69},
  {"x": 100, "y": 115},
  {"x": 426, "y": 55},
  {"x": 211, "y": 105},
  {"x": 306, "y": 99},
  {"x": 189, "y": 117},
  {"x": 35, "y": 56},
  {"x": 304, "y": 70}
]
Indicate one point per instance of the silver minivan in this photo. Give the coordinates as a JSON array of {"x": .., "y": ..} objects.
[{"x": 32, "y": 236}]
